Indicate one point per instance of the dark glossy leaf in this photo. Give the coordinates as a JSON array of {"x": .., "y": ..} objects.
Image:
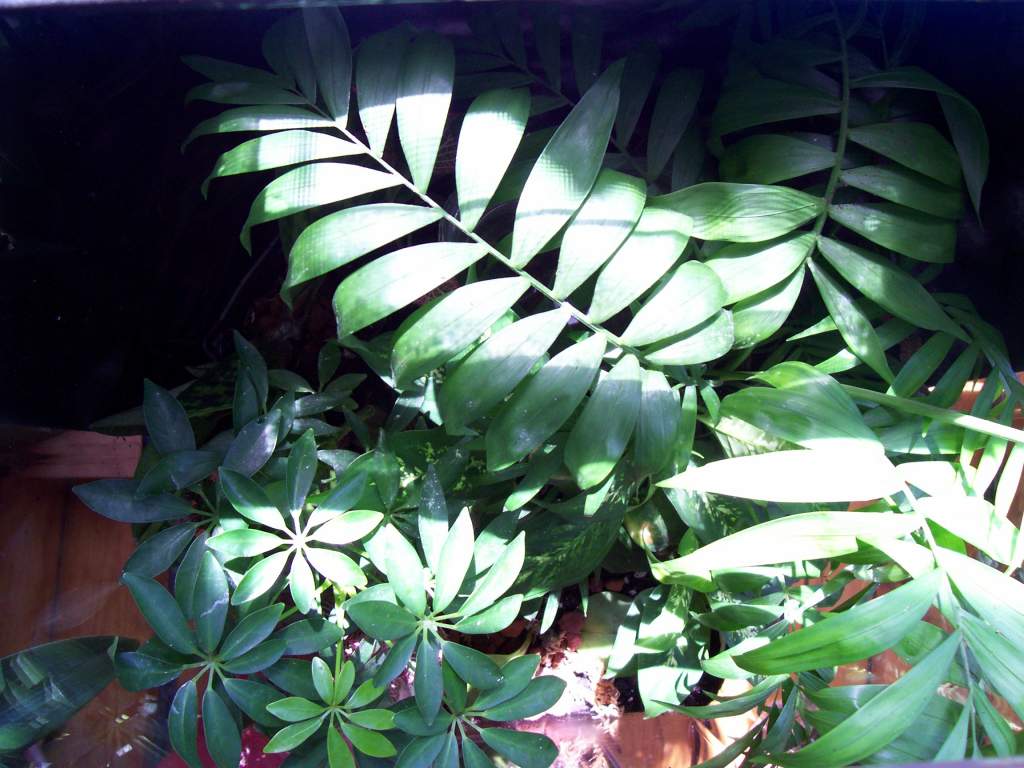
[
  {"x": 250, "y": 500},
  {"x": 166, "y": 421},
  {"x": 378, "y": 66},
  {"x": 381, "y": 620},
  {"x": 160, "y": 551},
  {"x": 771, "y": 158},
  {"x": 539, "y": 696},
  {"x": 251, "y": 631},
  {"x": 182, "y": 725},
  {"x": 162, "y": 612},
  {"x": 918, "y": 146},
  {"x": 117, "y": 500},
  {"x": 252, "y": 697},
  {"x": 474, "y": 667},
  {"x": 331, "y": 52},
  {"x": 258, "y": 659},
  {"x": 211, "y": 602},
  {"x": 253, "y": 446},
  {"x": 220, "y": 731},
  {"x": 427, "y": 680},
  {"x": 528, "y": 750},
  {"x": 761, "y": 101},
  {"x": 673, "y": 109}
]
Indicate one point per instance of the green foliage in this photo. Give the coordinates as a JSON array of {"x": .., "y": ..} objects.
[{"x": 751, "y": 256}]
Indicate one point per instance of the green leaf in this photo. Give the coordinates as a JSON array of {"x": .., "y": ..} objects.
[
  {"x": 802, "y": 536},
  {"x": 424, "y": 95},
  {"x": 693, "y": 294},
  {"x": 405, "y": 570},
  {"x": 491, "y": 132},
  {"x": 178, "y": 471},
  {"x": 517, "y": 673},
  {"x": 347, "y": 527},
  {"x": 368, "y": 742},
  {"x": 544, "y": 403},
  {"x": 251, "y": 631},
  {"x": 378, "y": 66},
  {"x": 917, "y": 146},
  {"x": 708, "y": 341},
  {"x": 547, "y": 34},
  {"x": 888, "y": 286},
  {"x": 300, "y": 471},
  {"x": 258, "y": 659},
  {"x": 603, "y": 429},
  {"x": 566, "y": 169},
  {"x": 647, "y": 254},
  {"x": 220, "y": 732},
  {"x": 759, "y": 101},
  {"x": 996, "y": 728},
  {"x": 796, "y": 476},
  {"x": 295, "y": 709},
  {"x": 160, "y": 551},
  {"x": 757, "y": 318},
  {"x": 884, "y": 718},
  {"x": 397, "y": 659},
  {"x": 343, "y": 683},
  {"x": 116, "y": 500},
  {"x": 331, "y": 52},
  {"x": 748, "y": 269},
  {"x": 338, "y": 753},
  {"x": 420, "y": 753},
  {"x": 253, "y": 446},
  {"x": 309, "y": 635},
  {"x": 393, "y": 281},
  {"x": 673, "y": 109},
  {"x": 292, "y": 736},
  {"x": 913, "y": 234},
  {"x": 211, "y": 602},
  {"x": 278, "y": 150},
  {"x": 374, "y": 719},
  {"x": 771, "y": 158},
  {"x": 262, "y": 119},
  {"x": 899, "y": 185},
  {"x": 473, "y": 756},
  {"x": 539, "y": 696},
  {"x": 302, "y": 586},
  {"x": 527, "y": 750},
  {"x": 342, "y": 237},
  {"x": 657, "y": 425},
  {"x": 187, "y": 574},
  {"x": 182, "y": 728},
  {"x": 311, "y": 186},
  {"x": 451, "y": 325},
  {"x": 161, "y": 613},
  {"x": 250, "y": 500},
  {"x": 166, "y": 421},
  {"x": 226, "y": 71},
  {"x": 338, "y": 567},
  {"x": 381, "y": 620},
  {"x": 323, "y": 681},
  {"x": 491, "y": 620},
  {"x": 260, "y": 578},
  {"x": 637, "y": 79},
  {"x": 427, "y": 682},
  {"x": 998, "y": 658},
  {"x": 855, "y": 328},
  {"x": 855, "y": 634},
  {"x": 735, "y": 705},
  {"x": 252, "y": 698},
  {"x": 965, "y": 123},
  {"x": 741, "y": 213},
  {"x": 598, "y": 228},
  {"x": 245, "y": 542},
  {"x": 454, "y": 561},
  {"x": 432, "y": 518},
  {"x": 492, "y": 370},
  {"x": 955, "y": 745},
  {"x": 474, "y": 667},
  {"x": 922, "y": 364}
]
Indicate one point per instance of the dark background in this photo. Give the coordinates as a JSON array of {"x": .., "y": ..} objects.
[{"x": 113, "y": 267}]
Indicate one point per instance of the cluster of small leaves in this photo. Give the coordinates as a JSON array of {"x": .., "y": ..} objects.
[{"x": 624, "y": 436}]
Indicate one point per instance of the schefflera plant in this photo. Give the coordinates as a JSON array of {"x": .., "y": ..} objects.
[
  {"x": 346, "y": 710},
  {"x": 460, "y": 589},
  {"x": 519, "y": 695}
]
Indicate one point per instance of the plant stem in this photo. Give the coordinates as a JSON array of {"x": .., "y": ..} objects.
[
  {"x": 536, "y": 284},
  {"x": 844, "y": 121}
]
